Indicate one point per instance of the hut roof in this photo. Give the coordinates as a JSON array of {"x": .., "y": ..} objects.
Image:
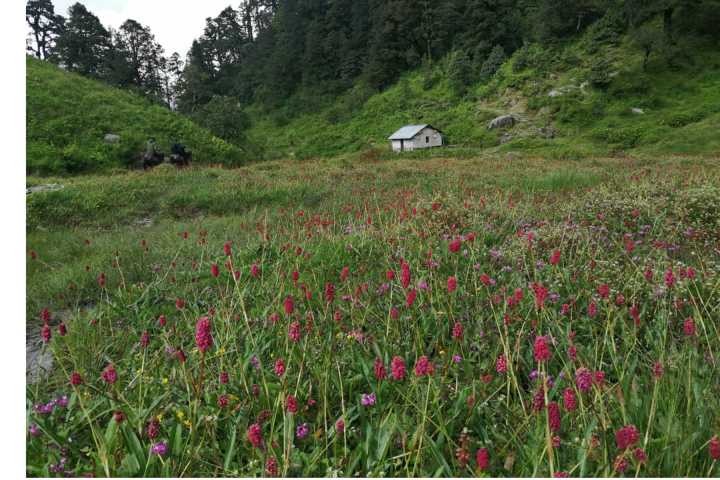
[{"x": 409, "y": 131}]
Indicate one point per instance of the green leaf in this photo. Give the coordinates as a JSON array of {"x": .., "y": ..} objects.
[{"x": 231, "y": 450}]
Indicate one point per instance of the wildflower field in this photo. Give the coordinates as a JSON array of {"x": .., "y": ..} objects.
[{"x": 405, "y": 317}]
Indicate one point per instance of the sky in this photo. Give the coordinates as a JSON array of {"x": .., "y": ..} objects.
[{"x": 175, "y": 23}]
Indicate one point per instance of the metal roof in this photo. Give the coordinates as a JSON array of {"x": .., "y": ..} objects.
[{"x": 407, "y": 132}]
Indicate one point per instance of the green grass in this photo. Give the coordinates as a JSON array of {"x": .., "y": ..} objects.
[
  {"x": 68, "y": 116},
  {"x": 317, "y": 217}
]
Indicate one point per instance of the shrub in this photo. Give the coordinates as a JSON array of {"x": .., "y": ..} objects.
[{"x": 493, "y": 62}]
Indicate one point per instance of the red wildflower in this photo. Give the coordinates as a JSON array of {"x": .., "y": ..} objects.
[
  {"x": 626, "y": 437},
  {"x": 457, "y": 331},
  {"x": 555, "y": 257},
  {"x": 162, "y": 320},
  {"x": 329, "y": 292},
  {"x": 254, "y": 270},
  {"x": 340, "y": 425},
  {"x": 145, "y": 339},
  {"x": 620, "y": 464},
  {"x": 279, "y": 367},
  {"x": 224, "y": 378},
  {"x": 380, "y": 372},
  {"x": 344, "y": 274},
  {"x": 541, "y": 349},
  {"x": 254, "y": 434},
  {"x": 423, "y": 366},
  {"x": 669, "y": 278},
  {"x": 46, "y": 333},
  {"x": 119, "y": 416},
  {"x": 689, "y": 327},
  {"x": 294, "y": 331},
  {"x": 394, "y": 313},
  {"x": 76, "y": 379},
  {"x": 389, "y": 275},
  {"x": 405, "y": 275},
  {"x": 180, "y": 356},
  {"x": 101, "y": 280},
  {"x": 554, "y": 416},
  {"x": 583, "y": 379},
  {"x": 214, "y": 270},
  {"x": 412, "y": 294},
  {"x": 289, "y": 305},
  {"x": 604, "y": 290},
  {"x": 657, "y": 371},
  {"x": 592, "y": 310},
  {"x": 153, "y": 428},
  {"x": 599, "y": 378},
  {"x": 397, "y": 367},
  {"x": 538, "y": 401},
  {"x": 640, "y": 455},
  {"x": 541, "y": 294},
  {"x": 203, "y": 334},
  {"x": 451, "y": 284},
  {"x": 227, "y": 248},
  {"x": 291, "y": 404},
  {"x": 572, "y": 352},
  {"x": 635, "y": 314},
  {"x": 714, "y": 448},
  {"x": 109, "y": 374},
  {"x": 569, "y": 399},
  {"x": 179, "y": 303},
  {"x": 501, "y": 364},
  {"x": 223, "y": 400},
  {"x": 271, "y": 467},
  {"x": 45, "y": 315},
  {"x": 482, "y": 457},
  {"x": 455, "y": 245}
]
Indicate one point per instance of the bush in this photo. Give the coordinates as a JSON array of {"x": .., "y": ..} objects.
[
  {"x": 225, "y": 117},
  {"x": 628, "y": 137},
  {"x": 600, "y": 73},
  {"x": 493, "y": 63}
]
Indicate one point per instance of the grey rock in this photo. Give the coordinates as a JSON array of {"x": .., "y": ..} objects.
[
  {"x": 502, "y": 121},
  {"x": 50, "y": 187},
  {"x": 637, "y": 111},
  {"x": 555, "y": 93},
  {"x": 112, "y": 138}
]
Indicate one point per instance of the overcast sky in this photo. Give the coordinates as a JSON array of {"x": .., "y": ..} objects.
[{"x": 175, "y": 23}]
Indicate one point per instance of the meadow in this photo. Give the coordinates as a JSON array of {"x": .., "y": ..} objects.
[{"x": 375, "y": 316}]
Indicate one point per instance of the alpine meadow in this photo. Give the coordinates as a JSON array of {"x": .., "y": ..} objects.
[{"x": 374, "y": 238}]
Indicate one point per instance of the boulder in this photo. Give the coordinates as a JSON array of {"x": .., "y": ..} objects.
[
  {"x": 637, "y": 111},
  {"x": 112, "y": 138},
  {"x": 503, "y": 121},
  {"x": 555, "y": 93}
]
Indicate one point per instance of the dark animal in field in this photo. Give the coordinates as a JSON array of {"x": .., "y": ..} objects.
[
  {"x": 179, "y": 156},
  {"x": 152, "y": 157}
]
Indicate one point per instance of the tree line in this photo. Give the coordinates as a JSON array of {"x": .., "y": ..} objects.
[{"x": 264, "y": 51}]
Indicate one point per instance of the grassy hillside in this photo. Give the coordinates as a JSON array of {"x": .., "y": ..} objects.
[
  {"x": 69, "y": 115},
  {"x": 600, "y": 78}
]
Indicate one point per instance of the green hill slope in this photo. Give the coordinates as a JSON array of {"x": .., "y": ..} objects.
[
  {"x": 69, "y": 115},
  {"x": 603, "y": 102}
]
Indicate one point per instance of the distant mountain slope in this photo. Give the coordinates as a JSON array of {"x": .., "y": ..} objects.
[
  {"x": 582, "y": 98},
  {"x": 68, "y": 117}
]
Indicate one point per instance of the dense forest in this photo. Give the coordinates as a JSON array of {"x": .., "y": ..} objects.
[{"x": 265, "y": 51}]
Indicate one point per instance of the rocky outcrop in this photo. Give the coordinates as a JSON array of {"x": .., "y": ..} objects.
[{"x": 503, "y": 121}]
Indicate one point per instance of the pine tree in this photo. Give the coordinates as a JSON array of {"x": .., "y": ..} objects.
[
  {"x": 83, "y": 42},
  {"x": 45, "y": 25}
]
